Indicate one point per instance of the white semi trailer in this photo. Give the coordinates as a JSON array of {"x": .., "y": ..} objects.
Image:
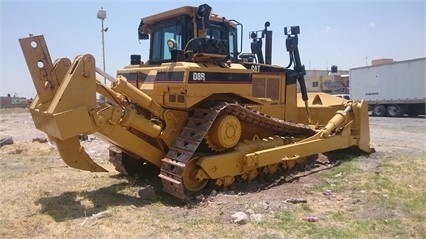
[{"x": 392, "y": 89}]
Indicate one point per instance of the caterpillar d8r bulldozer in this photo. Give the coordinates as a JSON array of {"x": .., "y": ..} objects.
[{"x": 198, "y": 109}]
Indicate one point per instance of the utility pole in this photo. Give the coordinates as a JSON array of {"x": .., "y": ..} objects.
[{"x": 102, "y": 16}]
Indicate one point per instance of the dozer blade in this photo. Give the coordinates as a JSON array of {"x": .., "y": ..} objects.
[
  {"x": 352, "y": 125},
  {"x": 362, "y": 127},
  {"x": 75, "y": 156},
  {"x": 323, "y": 108}
]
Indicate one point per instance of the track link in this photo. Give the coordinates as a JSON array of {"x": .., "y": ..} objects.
[{"x": 174, "y": 163}]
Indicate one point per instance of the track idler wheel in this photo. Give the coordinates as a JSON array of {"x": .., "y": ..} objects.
[
  {"x": 189, "y": 177},
  {"x": 224, "y": 133}
]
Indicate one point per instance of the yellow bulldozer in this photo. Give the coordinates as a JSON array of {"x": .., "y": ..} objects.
[{"x": 198, "y": 109}]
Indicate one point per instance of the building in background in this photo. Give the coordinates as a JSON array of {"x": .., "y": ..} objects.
[
  {"x": 332, "y": 82},
  {"x": 14, "y": 102}
]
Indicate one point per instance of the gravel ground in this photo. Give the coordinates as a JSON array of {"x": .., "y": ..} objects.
[{"x": 398, "y": 135}]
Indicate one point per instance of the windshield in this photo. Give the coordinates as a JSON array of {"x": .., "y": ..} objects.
[
  {"x": 181, "y": 30},
  {"x": 160, "y": 34}
]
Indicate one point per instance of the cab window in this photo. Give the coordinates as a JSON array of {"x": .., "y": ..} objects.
[
  {"x": 160, "y": 50},
  {"x": 179, "y": 28},
  {"x": 233, "y": 45}
]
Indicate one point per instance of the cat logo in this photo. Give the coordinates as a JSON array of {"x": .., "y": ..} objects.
[{"x": 255, "y": 68}]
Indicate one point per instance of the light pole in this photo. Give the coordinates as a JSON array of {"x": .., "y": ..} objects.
[{"x": 102, "y": 16}]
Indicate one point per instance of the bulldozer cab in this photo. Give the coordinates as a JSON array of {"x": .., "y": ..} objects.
[{"x": 179, "y": 34}]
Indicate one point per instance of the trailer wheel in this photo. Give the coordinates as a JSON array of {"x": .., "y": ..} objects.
[
  {"x": 395, "y": 110},
  {"x": 379, "y": 110}
]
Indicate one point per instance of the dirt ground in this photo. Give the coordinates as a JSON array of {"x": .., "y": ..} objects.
[{"x": 43, "y": 198}]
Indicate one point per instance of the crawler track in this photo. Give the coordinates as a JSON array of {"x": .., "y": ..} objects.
[{"x": 173, "y": 165}]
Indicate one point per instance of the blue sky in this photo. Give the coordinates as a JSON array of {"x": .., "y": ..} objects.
[{"x": 343, "y": 33}]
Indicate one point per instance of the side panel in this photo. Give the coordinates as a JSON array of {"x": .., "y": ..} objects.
[
  {"x": 399, "y": 81},
  {"x": 182, "y": 85},
  {"x": 270, "y": 89},
  {"x": 204, "y": 82}
]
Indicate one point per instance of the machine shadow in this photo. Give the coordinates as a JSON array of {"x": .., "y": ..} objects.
[{"x": 80, "y": 204}]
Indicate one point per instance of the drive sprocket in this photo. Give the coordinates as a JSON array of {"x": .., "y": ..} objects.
[{"x": 224, "y": 133}]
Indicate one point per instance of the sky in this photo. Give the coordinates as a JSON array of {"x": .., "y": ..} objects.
[{"x": 345, "y": 33}]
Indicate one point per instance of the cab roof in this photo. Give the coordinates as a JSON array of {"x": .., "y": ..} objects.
[{"x": 185, "y": 10}]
